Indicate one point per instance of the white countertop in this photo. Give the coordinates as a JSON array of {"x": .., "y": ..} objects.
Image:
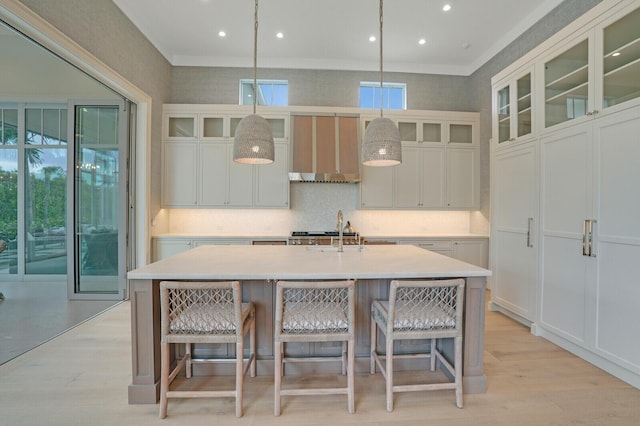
[{"x": 242, "y": 262}]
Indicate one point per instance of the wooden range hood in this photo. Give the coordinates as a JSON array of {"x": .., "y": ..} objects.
[{"x": 325, "y": 148}]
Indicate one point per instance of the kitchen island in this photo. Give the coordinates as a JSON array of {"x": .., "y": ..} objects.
[{"x": 259, "y": 267}]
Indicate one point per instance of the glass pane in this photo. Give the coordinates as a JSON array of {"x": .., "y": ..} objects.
[
  {"x": 408, "y": 131},
  {"x": 107, "y": 126},
  {"x": 181, "y": 127},
  {"x": 396, "y": 98},
  {"x": 233, "y": 123},
  {"x": 431, "y": 132},
  {"x": 213, "y": 127},
  {"x": 8, "y": 210},
  {"x": 98, "y": 201},
  {"x": 51, "y": 127},
  {"x": 33, "y": 119},
  {"x": 461, "y": 133},
  {"x": 98, "y": 211},
  {"x": 9, "y": 127},
  {"x": 566, "y": 85},
  {"x": 277, "y": 127},
  {"x": 524, "y": 105},
  {"x": 366, "y": 97},
  {"x": 45, "y": 211},
  {"x": 622, "y": 60},
  {"x": 504, "y": 115},
  {"x": 280, "y": 95}
]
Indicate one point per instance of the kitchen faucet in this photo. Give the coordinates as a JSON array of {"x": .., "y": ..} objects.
[{"x": 340, "y": 231}]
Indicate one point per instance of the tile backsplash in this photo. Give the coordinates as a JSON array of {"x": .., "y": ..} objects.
[{"x": 314, "y": 207}]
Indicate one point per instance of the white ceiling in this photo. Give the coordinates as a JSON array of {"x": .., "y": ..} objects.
[{"x": 334, "y": 34}]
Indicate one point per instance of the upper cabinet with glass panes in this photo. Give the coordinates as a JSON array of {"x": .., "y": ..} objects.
[
  {"x": 596, "y": 73},
  {"x": 621, "y": 60},
  {"x": 513, "y": 109}
]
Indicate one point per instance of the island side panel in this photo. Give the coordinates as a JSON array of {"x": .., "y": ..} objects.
[
  {"x": 145, "y": 342},
  {"x": 474, "y": 380}
]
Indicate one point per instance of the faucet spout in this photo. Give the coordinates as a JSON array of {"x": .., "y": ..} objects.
[{"x": 340, "y": 231}]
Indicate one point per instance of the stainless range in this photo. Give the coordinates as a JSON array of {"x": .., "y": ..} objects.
[{"x": 324, "y": 238}]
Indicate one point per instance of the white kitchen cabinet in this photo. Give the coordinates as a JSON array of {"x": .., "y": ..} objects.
[
  {"x": 462, "y": 177},
  {"x": 474, "y": 251},
  {"x": 617, "y": 238},
  {"x": 596, "y": 72},
  {"x": 165, "y": 246},
  {"x": 223, "y": 182},
  {"x": 198, "y": 166},
  {"x": 588, "y": 295},
  {"x": 514, "y": 243},
  {"x": 180, "y": 176},
  {"x": 513, "y": 108},
  {"x": 440, "y": 165},
  {"x": 586, "y": 96},
  {"x": 567, "y": 201},
  {"x": 180, "y": 126},
  {"x": 271, "y": 180},
  {"x": 419, "y": 180}
]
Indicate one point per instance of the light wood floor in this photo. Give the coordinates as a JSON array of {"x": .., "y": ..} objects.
[{"x": 81, "y": 378}]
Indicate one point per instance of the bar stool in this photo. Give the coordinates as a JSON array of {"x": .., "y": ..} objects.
[
  {"x": 419, "y": 310},
  {"x": 315, "y": 311},
  {"x": 204, "y": 312}
]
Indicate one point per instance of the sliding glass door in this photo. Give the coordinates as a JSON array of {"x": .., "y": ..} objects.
[{"x": 99, "y": 205}]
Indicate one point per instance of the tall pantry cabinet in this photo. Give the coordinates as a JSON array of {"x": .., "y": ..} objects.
[{"x": 584, "y": 149}]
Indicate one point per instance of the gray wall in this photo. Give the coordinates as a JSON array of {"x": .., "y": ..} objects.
[
  {"x": 100, "y": 27},
  {"x": 318, "y": 88}
]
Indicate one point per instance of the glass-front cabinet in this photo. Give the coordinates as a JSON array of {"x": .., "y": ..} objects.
[
  {"x": 566, "y": 85},
  {"x": 621, "y": 60},
  {"x": 513, "y": 109},
  {"x": 598, "y": 72}
]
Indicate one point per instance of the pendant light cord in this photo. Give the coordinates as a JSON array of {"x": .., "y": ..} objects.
[
  {"x": 381, "y": 79},
  {"x": 255, "y": 58}
]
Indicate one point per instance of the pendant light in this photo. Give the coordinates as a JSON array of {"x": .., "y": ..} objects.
[
  {"x": 381, "y": 145},
  {"x": 253, "y": 142}
]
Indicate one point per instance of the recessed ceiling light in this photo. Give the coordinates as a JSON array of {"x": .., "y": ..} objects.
[
  {"x": 422, "y": 41},
  {"x": 446, "y": 7},
  {"x": 280, "y": 35},
  {"x": 372, "y": 38},
  {"x": 615, "y": 54},
  {"x": 222, "y": 34}
]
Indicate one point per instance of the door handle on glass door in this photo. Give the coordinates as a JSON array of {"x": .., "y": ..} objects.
[{"x": 529, "y": 226}]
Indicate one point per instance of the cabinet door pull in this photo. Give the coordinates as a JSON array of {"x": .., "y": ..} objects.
[
  {"x": 592, "y": 222},
  {"x": 529, "y": 226},
  {"x": 584, "y": 237}
]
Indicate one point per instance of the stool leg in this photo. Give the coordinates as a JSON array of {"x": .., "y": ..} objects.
[
  {"x": 458, "y": 368},
  {"x": 344, "y": 358},
  {"x": 374, "y": 343},
  {"x": 239, "y": 376},
  {"x": 389, "y": 367},
  {"x": 432, "y": 357},
  {"x": 252, "y": 347},
  {"x": 165, "y": 352},
  {"x": 350, "y": 376},
  {"x": 189, "y": 366},
  {"x": 277, "y": 377}
]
